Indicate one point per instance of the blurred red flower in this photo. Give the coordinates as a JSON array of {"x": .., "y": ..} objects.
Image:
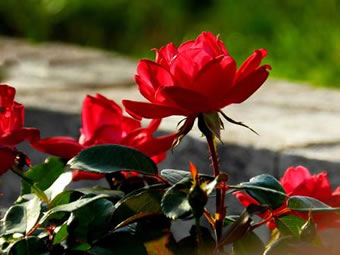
[
  {"x": 197, "y": 77},
  {"x": 12, "y": 131},
  {"x": 103, "y": 122},
  {"x": 297, "y": 181}
]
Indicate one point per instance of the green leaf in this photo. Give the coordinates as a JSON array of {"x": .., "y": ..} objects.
[
  {"x": 154, "y": 233},
  {"x": 113, "y": 195},
  {"x": 43, "y": 175},
  {"x": 15, "y": 220},
  {"x": 161, "y": 245},
  {"x": 213, "y": 123},
  {"x": 293, "y": 246},
  {"x": 32, "y": 186},
  {"x": 175, "y": 202},
  {"x": 91, "y": 220},
  {"x": 112, "y": 158},
  {"x": 249, "y": 244},
  {"x": 230, "y": 219},
  {"x": 189, "y": 245},
  {"x": 81, "y": 247},
  {"x": 147, "y": 202},
  {"x": 134, "y": 218},
  {"x": 209, "y": 188},
  {"x": 118, "y": 243},
  {"x": 268, "y": 190},
  {"x": 306, "y": 204},
  {"x": 309, "y": 232},
  {"x": 61, "y": 234},
  {"x": 23, "y": 217},
  {"x": 236, "y": 230},
  {"x": 289, "y": 225},
  {"x": 173, "y": 176},
  {"x": 282, "y": 246},
  {"x": 33, "y": 210},
  {"x": 70, "y": 207},
  {"x": 28, "y": 246},
  {"x": 59, "y": 185},
  {"x": 65, "y": 198}
]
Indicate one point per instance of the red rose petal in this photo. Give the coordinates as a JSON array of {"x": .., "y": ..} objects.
[
  {"x": 321, "y": 189},
  {"x": 7, "y": 157},
  {"x": 165, "y": 55},
  {"x": 153, "y": 125},
  {"x": 61, "y": 146},
  {"x": 184, "y": 67},
  {"x": 335, "y": 199},
  {"x": 246, "y": 87},
  {"x": 7, "y": 94},
  {"x": 98, "y": 112},
  {"x": 295, "y": 177},
  {"x": 209, "y": 43},
  {"x": 129, "y": 124},
  {"x": 152, "y": 111},
  {"x": 154, "y": 146},
  {"x": 215, "y": 79},
  {"x": 19, "y": 135},
  {"x": 186, "y": 99},
  {"x": 251, "y": 63},
  {"x": 154, "y": 74},
  {"x": 147, "y": 90},
  {"x": 78, "y": 175},
  {"x": 186, "y": 45}
]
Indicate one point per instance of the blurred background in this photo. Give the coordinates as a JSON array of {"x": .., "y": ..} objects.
[
  {"x": 302, "y": 36},
  {"x": 299, "y": 125}
]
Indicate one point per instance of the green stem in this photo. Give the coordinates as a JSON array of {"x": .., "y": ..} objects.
[{"x": 220, "y": 208}]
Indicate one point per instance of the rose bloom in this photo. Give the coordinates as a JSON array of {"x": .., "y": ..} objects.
[
  {"x": 12, "y": 130},
  {"x": 103, "y": 122},
  {"x": 297, "y": 181},
  {"x": 197, "y": 77}
]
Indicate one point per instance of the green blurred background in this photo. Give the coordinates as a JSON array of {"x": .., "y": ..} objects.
[{"x": 302, "y": 36}]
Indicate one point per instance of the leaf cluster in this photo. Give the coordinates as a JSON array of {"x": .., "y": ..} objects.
[{"x": 135, "y": 215}]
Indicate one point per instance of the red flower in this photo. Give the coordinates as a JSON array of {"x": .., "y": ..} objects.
[
  {"x": 197, "y": 77},
  {"x": 104, "y": 123},
  {"x": 297, "y": 181},
  {"x": 12, "y": 131}
]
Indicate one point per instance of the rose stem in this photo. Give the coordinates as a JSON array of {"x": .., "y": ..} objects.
[
  {"x": 220, "y": 208},
  {"x": 198, "y": 231}
]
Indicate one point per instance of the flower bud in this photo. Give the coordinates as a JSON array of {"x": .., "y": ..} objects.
[{"x": 198, "y": 198}]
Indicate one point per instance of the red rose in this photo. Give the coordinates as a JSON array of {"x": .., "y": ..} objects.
[
  {"x": 103, "y": 122},
  {"x": 297, "y": 181},
  {"x": 197, "y": 77},
  {"x": 12, "y": 131}
]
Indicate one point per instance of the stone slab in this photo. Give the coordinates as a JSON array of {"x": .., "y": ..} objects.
[
  {"x": 297, "y": 118},
  {"x": 298, "y": 124}
]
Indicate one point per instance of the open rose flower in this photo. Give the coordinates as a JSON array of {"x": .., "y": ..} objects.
[
  {"x": 297, "y": 181},
  {"x": 197, "y": 77},
  {"x": 104, "y": 123},
  {"x": 12, "y": 130}
]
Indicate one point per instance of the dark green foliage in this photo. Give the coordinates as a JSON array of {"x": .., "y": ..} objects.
[
  {"x": 112, "y": 158},
  {"x": 265, "y": 189},
  {"x": 47, "y": 219},
  {"x": 43, "y": 174},
  {"x": 175, "y": 202},
  {"x": 306, "y": 204}
]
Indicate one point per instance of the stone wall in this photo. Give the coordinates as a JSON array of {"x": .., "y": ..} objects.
[{"x": 298, "y": 124}]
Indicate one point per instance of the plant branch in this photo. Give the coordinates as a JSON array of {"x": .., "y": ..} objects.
[
  {"x": 220, "y": 208},
  {"x": 198, "y": 231}
]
